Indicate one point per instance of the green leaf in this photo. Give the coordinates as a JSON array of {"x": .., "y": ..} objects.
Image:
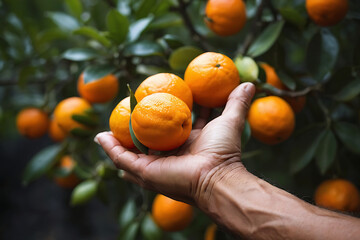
[
  {"x": 262, "y": 74},
  {"x": 137, "y": 143},
  {"x": 84, "y": 192},
  {"x": 149, "y": 229},
  {"x": 181, "y": 57},
  {"x": 80, "y": 54},
  {"x": 266, "y": 39},
  {"x": 322, "y": 53},
  {"x": 95, "y": 72},
  {"x": 287, "y": 80},
  {"x": 75, "y": 8},
  {"x": 80, "y": 132},
  {"x": 94, "y": 34},
  {"x": 63, "y": 21},
  {"x": 41, "y": 163},
  {"x": 304, "y": 150},
  {"x": 130, "y": 232},
  {"x": 118, "y": 26},
  {"x": 173, "y": 41},
  {"x": 127, "y": 214},
  {"x": 293, "y": 16},
  {"x": 145, "y": 8},
  {"x": 349, "y": 92},
  {"x": 85, "y": 120},
  {"x": 349, "y": 134},
  {"x": 138, "y": 27},
  {"x": 326, "y": 151},
  {"x": 24, "y": 75},
  {"x": 62, "y": 172},
  {"x": 246, "y": 134},
  {"x": 143, "y": 48},
  {"x": 133, "y": 100}
]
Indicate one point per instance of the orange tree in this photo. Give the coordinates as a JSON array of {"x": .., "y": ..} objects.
[{"x": 305, "y": 52}]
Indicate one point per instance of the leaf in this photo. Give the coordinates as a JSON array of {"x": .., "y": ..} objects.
[
  {"x": 181, "y": 57},
  {"x": 133, "y": 100},
  {"x": 261, "y": 74},
  {"x": 63, "y": 21},
  {"x": 137, "y": 143},
  {"x": 136, "y": 28},
  {"x": 246, "y": 134},
  {"x": 80, "y": 54},
  {"x": 322, "y": 53},
  {"x": 41, "y": 163},
  {"x": 287, "y": 80},
  {"x": 293, "y": 16},
  {"x": 349, "y": 92},
  {"x": 94, "y": 34},
  {"x": 80, "y": 132},
  {"x": 75, "y": 8},
  {"x": 127, "y": 214},
  {"x": 142, "y": 49},
  {"x": 130, "y": 232},
  {"x": 266, "y": 39},
  {"x": 349, "y": 134},
  {"x": 95, "y": 72},
  {"x": 145, "y": 8},
  {"x": 85, "y": 120},
  {"x": 149, "y": 229},
  {"x": 326, "y": 151},
  {"x": 84, "y": 192},
  {"x": 173, "y": 41},
  {"x": 118, "y": 26}
]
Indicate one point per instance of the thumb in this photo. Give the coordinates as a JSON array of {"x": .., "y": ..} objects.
[{"x": 238, "y": 104}]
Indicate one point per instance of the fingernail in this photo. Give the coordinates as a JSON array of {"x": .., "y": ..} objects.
[
  {"x": 249, "y": 88},
  {"x": 121, "y": 173},
  {"x": 96, "y": 140}
]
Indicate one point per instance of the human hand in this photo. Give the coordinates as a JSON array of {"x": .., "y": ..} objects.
[{"x": 208, "y": 154}]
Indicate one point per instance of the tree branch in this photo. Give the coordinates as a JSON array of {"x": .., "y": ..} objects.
[{"x": 267, "y": 88}]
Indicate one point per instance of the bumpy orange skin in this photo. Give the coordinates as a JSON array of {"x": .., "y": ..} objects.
[
  {"x": 210, "y": 233},
  {"x": 119, "y": 123},
  {"x": 225, "y": 17},
  {"x": 271, "y": 120},
  {"x": 32, "y": 122},
  {"x": 55, "y": 132},
  {"x": 71, "y": 180},
  {"x": 98, "y": 91},
  {"x": 161, "y": 121},
  {"x": 165, "y": 83},
  {"x": 171, "y": 215},
  {"x": 338, "y": 194},
  {"x": 327, "y": 12},
  {"x": 66, "y": 108},
  {"x": 211, "y": 78}
]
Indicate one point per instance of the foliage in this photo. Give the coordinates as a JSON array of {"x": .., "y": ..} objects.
[{"x": 45, "y": 45}]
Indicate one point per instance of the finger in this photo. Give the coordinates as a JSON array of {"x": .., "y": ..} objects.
[
  {"x": 203, "y": 118},
  {"x": 238, "y": 103},
  {"x": 131, "y": 178},
  {"x": 121, "y": 157}
]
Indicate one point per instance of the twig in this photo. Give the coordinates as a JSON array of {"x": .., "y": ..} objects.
[{"x": 283, "y": 93}]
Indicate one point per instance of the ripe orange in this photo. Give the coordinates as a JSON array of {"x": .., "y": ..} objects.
[
  {"x": 211, "y": 78},
  {"x": 171, "y": 215},
  {"x": 210, "y": 233},
  {"x": 98, "y": 91},
  {"x": 225, "y": 17},
  {"x": 66, "y": 108},
  {"x": 71, "y": 180},
  {"x": 271, "y": 120},
  {"x": 32, "y": 122},
  {"x": 338, "y": 194},
  {"x": 119, "y": 123},
  {"x": 165, "y": 83},
  {"x": 161, "y": 121},
  {"x": 327, "y": 12},
  {"x": 55, "y": 132}
]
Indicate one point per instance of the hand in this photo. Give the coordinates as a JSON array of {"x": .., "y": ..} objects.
[{"x": 206, "y": 156}]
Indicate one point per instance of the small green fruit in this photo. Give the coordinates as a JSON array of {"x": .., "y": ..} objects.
[{"x": 248, "y": 69}]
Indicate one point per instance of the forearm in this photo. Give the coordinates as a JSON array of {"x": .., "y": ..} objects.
[{"x": 254, "y": 209}]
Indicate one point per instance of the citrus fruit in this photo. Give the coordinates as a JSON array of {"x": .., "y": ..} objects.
[
  {"x": 248, "y": 69},
  {"x": 119, "y": 123},
  {"x": 32, "y": 122},
  {"x": 211, "y": 78},
  {"x": 161, "y": 121},
  {"x": 272, "y": 78},
  {"x": 98, "y": 91},
  {"x": 225, "y": 17},
  {"x": 210, "y": 233},
  {"x": 165, "y": 83},
  {"x": 55, "y": 132},
  {"x": 327, "y": 12},
  {"x": 71, "y": 180},
  {"x": 338, "y": 194},
  {"x": 66, "y": 109},
  {"x": 296, "y": 103},
  {"x": 171, "y": 215},
  {"x": 271, "y": 120}
]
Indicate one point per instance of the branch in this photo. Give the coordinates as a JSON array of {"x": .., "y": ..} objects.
[{"x": 267, "y": 88}]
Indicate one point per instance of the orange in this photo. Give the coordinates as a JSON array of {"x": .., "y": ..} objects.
[
  {"x": 327, "y": 12},
  {"x": 71, "y": 180},
  {"x": 210, "y": 233},
  {"x": 225, "y": 17},
  {"x": 119, "y": 123},
  {"x": 271, "y": 120},
  {"x": 211, "y": 78},
  {"x": 165, "y": 83},
  {"x": 338, "y": 194},
  {"x": 296, "y": 103},
  {"x": 32, "y": 122},
  {"x": 99, "y": 91},
  {"x": 171, "y": 215},
  {"x": 55, "y": 132},
  {"x": 66, "y": 109},
  {"x": 161, "y": 121}
]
